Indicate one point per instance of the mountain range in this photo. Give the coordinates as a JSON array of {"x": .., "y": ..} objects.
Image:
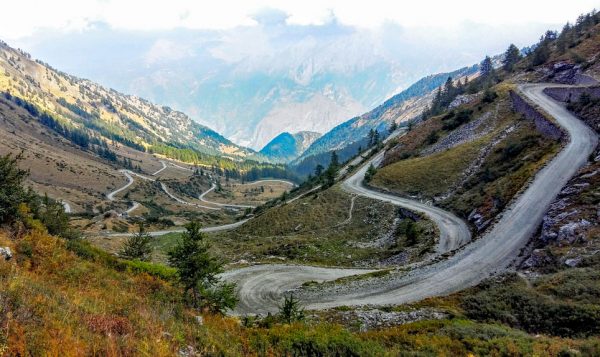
[
  {"x": 83, "y": 104},
  {"x": 251, "y": 83}
]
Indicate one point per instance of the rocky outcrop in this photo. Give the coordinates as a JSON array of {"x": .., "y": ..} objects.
[
  {"x": 370, "y": 319},
  {"x": 542, "y": 124},
  {"x": 463, "y": 99},
  {"x": 466, "y": 133},
  {"x": 565, "y": 73},
  {"x": 569, "y": 232}
]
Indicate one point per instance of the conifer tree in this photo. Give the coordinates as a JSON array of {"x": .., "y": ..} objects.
[{"x": 511, "y": 57}]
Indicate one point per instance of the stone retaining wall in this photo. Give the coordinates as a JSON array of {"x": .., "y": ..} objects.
[
  {"x": 542, "y": 124},
  {"x": 571, "y": 93}
]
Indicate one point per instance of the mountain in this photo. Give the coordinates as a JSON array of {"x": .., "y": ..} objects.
[
  {"x": 351, "y": 134},
  {"x": 286, "y": 147},
  {"x": 251, "y": 83},
  {"x": 130, "y": 120}
]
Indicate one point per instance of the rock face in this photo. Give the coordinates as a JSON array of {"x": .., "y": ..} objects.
[
  {"x": 565, "y": 73},
  {"x": 6, "y": 253},
  {"x": 468, "y": 132},
  {"x": 463, "y": 99},
  {"x": 543, "y": 125},
  {"x": 569, "y": 232}
]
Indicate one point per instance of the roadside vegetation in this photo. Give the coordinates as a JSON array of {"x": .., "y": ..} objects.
[{"x": 318, "y": 229}]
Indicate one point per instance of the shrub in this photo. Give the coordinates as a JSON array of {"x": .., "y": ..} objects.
[
  {"x": 514, "y": 304},
  {"x": 12, "y": 192},
  {"x": 137, "y": 246}
]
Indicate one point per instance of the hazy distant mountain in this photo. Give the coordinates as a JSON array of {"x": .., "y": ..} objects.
[
  {"x": 351, "y": 134},
  {"x": 286, "y": 147},
  {"x": 252, "y": 83}
]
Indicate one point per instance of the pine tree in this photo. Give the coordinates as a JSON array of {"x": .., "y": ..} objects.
[
  {"x": 376, "y": 138},
  {"x": 486, "y": 68},
  {"x": 137, "y": 246},
  {"x": 511, "y": 57},
  {"x": 198, "y": 271},
  {"x": 449, "y": 87},
  {"x": 12, "y": 193},
  {"x": 334, "y": 162},
  {"x": 290, "y": 311},
  {"x": 371, "y": 137},
  {"x": 371, "y": 171},
  {"x": 319, "y": 170}
]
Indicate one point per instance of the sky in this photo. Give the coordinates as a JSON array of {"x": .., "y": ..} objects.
[{"x": 28, "y": 16}]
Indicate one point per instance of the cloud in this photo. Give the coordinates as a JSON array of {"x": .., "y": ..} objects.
[
  {"x": 270, "y": 17},
  {"x": 165, "y": 50}
]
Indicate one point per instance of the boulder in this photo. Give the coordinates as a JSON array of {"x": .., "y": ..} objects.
[
  {"x": 6, "y": 253},
  {"x": 538, "y": 258},
  {"x": 572, "y": 262}
]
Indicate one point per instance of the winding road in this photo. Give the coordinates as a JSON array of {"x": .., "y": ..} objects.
[
  {"x": 212, "y": 188},
  {"x": 261, "y": 287}
]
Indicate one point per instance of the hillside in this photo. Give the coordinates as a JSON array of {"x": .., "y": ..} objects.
[
  {"x": 127, "y": 119},
  {"x": 61, "y": 296},
  {"x": 473, "y": 231},
  {"x": 348, "y": 136},
  {"x": 286, "y": 147}
]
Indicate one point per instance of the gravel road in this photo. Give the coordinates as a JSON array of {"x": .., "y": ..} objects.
[{"x": 261, "y": 287}]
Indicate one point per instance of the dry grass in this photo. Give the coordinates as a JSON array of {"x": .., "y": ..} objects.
[{"x": 431, "y": 175}]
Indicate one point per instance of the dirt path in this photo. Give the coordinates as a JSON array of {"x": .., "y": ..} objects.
[
  {"x": 164, "y": 166},
  {"x": 212, "y": 188},
  {"x": 261, "y": 287}
]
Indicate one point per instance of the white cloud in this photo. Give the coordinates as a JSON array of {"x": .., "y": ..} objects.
[{"x": 24, "y": 17}]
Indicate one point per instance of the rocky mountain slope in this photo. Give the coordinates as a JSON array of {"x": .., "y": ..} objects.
[
  {"x": 130, "y": 120},
  {"x": 248, "y": 82},
  {"x": 348, "y": 136},
  {"x": 286, "y": 147}
]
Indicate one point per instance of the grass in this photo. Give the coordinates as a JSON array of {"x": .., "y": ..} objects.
[
  {"x": 315, "y": 230},
  {"x": 504, "y": 172},
  {"x": 428, "y": 176},
  {"x": 561, "y": 304},
  {"x": 65, "y": 298},
  {"x": 504, "y": 169}
]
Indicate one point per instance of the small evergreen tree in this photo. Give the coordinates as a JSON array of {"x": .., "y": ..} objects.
[
  {"x": 198, "y": 271},
  {"x": 486, "y": 68},
  {"x": 334, "y": 162},
  {"x": 511, "y": 57},
  {"x": 319, "y": 170},
  {"x": 137, "y": 246},
  {"x": 12, "y": 192},
  {"x": 291, "y": 311},
  {"x": 371, "y": 171}
]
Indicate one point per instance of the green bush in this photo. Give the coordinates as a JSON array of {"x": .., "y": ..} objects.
[{"x": 512, "y": 303}]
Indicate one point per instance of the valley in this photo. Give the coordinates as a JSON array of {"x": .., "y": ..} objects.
[{"x": 457, "y": 217}]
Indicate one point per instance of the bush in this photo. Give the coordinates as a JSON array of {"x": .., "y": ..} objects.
[
  {"x": 137, "y": 246},
  {"x": 451, "y": 122},
  {"x": 514, "y": 304},
  {"x": 489, "y": 96}
]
